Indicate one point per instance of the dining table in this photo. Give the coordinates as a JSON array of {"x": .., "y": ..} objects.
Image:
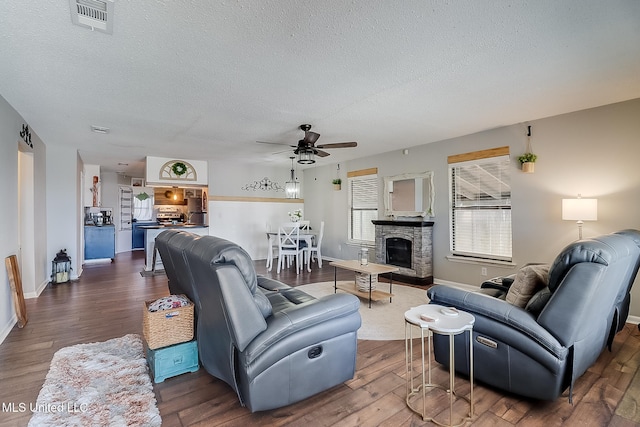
[{"x": 272, "y": 236}]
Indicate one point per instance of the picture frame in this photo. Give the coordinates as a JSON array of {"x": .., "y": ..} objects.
[{"x": 137, "y": 182}]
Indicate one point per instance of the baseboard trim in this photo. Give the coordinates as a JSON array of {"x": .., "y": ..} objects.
[
  {"x": 38, "y": 291},
  {"x": 463, "y": 286},
  {"x": 8, "y": 327}
]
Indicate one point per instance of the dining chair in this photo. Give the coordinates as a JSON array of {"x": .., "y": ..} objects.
[
  {"x": 304, "y": 225},
  {"x": 289, "y": 244},
  {"x": 272, "y": 243},
  {"x": 315, "y": 248}
]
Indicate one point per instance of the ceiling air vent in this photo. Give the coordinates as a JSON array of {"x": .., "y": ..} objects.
[{"x": 94, "y": 14}]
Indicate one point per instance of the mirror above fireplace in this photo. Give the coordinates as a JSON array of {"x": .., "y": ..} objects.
[{"x": 409, "y": 194}]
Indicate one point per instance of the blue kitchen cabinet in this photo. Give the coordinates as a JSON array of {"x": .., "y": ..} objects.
[
  {"x": 99, "y": 242},
  {"x": 137, "y": 234}
]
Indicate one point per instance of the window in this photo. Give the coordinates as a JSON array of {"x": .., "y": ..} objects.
[
  {"x": 480, "y": 217},
  {"x": 363, "y": 205},
  {"x": 142, "y": 206}
]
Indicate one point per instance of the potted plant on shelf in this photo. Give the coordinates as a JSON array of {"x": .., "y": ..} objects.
[
  {"x": 337, "y": 184},
  {"x": 527, "y": 160}
]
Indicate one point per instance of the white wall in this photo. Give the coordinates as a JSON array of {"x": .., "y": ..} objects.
[
  {"x": 245, "y": 221},
  {"x": 64, "y": 213},
  {"x": 592, "y": 152}
]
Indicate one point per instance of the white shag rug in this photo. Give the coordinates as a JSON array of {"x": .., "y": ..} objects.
[
  {"x": 384, "y": 321},
  {"x": 98, "y": 384}
]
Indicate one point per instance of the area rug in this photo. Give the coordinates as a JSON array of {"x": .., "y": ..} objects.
[
  {"x": 384, "y": 320},
  {"x": 98, "y": 384}
]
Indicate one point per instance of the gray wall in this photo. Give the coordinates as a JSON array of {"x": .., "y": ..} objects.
[{"x": 591, "y": 152}]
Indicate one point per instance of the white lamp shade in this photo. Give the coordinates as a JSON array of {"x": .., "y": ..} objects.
[{"x": 580, "y": 209}]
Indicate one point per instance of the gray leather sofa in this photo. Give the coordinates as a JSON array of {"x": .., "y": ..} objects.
[
  {"x": 540, "y": 351},
  {"x": 273, "y": 344}
]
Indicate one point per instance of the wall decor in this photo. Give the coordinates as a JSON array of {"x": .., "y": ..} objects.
[
  {"x": 409, "y": 194},
  {"x": 265, "y": 184},
  {"x": 25, "y": 134},
  {"x": 168, "y": 172},
  {"x": 178, "y": 170}
]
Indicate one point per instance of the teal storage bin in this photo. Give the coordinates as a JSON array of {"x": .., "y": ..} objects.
[{"x": 167, "y": 362}]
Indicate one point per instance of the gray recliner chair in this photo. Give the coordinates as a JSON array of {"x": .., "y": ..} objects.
[
  {"x": 623, "y": 301},
  {"x": 540, "y": 352},
  {"x": 273, "y": 344},
  {"x": 171, "y": 245}
]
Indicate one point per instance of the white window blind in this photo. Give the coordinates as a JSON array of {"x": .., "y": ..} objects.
[
  {"x": 480, "y": 217},
  {"x": 363, "y": 205}
]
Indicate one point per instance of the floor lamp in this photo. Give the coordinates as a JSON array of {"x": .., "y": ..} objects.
[{"x": 580, "y": 210}]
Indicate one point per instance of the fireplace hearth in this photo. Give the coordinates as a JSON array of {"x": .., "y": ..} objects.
[{"x": 407, "y": 245}]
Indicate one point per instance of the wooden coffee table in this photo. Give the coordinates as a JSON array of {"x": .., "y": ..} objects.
[{"x": 369, "y": 269}]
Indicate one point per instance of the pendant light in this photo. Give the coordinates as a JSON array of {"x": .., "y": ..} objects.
[{"x": 292, "y": 187}]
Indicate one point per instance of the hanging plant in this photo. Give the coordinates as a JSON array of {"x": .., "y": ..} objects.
[
  {"x": 528, "y": 159},
  {"x": 337, "y": 182},
  {"x": 179, "y": 168}
]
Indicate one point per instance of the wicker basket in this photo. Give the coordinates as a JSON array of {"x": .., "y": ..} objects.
[
  {"x": 362, "y": 282},
  {"x": 167, "y": 327}
]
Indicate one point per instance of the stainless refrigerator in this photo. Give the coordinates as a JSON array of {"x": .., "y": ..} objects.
[{"x": 195, "y": 214}]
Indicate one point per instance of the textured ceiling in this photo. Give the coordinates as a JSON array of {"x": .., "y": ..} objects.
[{"x": 206, "y": 79}]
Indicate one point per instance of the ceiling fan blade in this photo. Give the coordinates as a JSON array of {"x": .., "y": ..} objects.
[
  {"x": 321, "y": 153},
  {"x": 339, "y": 145},
  {"x": 311, "y": 137},
  {"x": 275, "y": 143}
]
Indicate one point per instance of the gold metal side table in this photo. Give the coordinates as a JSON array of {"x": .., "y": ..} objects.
[{"x": 432, "y": 318}]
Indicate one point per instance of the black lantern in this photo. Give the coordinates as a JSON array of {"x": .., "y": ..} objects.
[{"x": 61, "y": 267}]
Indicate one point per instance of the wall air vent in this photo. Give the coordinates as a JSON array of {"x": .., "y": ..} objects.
[{"x": 94, "y": 14}]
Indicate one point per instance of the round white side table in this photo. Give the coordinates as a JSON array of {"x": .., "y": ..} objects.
[{"x": 443, "y": 321}]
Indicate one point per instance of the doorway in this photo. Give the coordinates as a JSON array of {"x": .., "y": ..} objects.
[{"x": 26, "y": 221}]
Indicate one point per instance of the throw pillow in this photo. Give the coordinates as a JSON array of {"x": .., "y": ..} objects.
[
  {"x": 538, "y": 301},
  {"x": 529, "y": 280}
]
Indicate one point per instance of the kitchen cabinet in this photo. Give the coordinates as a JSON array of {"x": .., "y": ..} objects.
[
  {"x": 137, "y": 236},
  {"x": 99, "y": 242}
]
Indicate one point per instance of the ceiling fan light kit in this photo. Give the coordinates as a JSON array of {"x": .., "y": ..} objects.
[
  {"x": 306, "y": 150},
  {"x": 305, "y": 156}
]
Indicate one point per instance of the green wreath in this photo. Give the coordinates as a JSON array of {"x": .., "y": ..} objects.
[{"x": 179, "y": 168}]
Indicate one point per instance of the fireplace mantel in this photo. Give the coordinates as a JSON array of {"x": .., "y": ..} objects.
[
  {"x": 401, "y": 223},
  {"x": 420, "y": 234}
]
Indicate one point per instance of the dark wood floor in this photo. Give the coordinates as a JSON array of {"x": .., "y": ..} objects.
[{"x": 107, "y": 302}]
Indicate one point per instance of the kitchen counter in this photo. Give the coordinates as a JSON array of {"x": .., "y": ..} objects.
[
  {"x": 152, "y": 231},
  {"x": 158, "y": 226}
]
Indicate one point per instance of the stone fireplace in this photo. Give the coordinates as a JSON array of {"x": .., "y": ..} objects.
[{"x": 407, "y": 245}]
